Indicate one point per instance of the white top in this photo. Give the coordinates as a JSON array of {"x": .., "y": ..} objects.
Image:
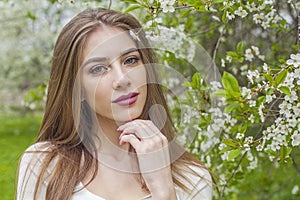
[{"x": 31, "y": 162}]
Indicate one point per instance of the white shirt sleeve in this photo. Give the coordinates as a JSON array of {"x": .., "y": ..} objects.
[
  {"x": 201, "y": 187},
  {"x": 29, "y": 170}
]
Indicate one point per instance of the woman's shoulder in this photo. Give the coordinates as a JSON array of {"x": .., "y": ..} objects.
[
  {"x": 39, "y": 147},
  {"x": 35, "y": 155},
  {"x": 30, "y": 166}
]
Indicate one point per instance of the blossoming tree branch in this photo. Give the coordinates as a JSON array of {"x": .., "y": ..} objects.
[{"x": 246, "y": 124}]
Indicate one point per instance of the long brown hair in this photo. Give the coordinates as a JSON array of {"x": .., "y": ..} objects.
[{"x": 58, "y": 126}]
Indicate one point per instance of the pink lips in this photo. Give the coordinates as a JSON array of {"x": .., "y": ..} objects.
[{"x": 127, "y": 100}]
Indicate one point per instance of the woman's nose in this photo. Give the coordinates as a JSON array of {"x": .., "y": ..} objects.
[{"x": 121, "y": 80}]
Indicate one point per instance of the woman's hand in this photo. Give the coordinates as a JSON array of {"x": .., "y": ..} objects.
[{"x": 152, "y": 151}]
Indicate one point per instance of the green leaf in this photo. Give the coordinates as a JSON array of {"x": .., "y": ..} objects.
[
  {"x": 232, "y": 54},
  {"x": 31, "y": 16},
  {"x": 200, "y": 8},
  {"x": 280, "y": 77},
  {"x": 225, "y": 149},
  {"x": 186, "y": 84},
  {"x": 185, "y": 13},
  {"x": 131, "y": 1},
  {"x": 270, "y": 91},
  {"x": 271, "y": 152},
  {"x": 234, "y": 153},
  {"x": 240, "y": 47},
  {"x": 218, "y": 1},
  {"x": 131, "y": 8},
  {"x": 285, "y": 90},
  {"x": 230, "y": 142},
  {"x": 219, "y": 93},
  {"x": 224, "y": 17},
  {"x": 268, "y": 77},
  {"x": 232, "y": 95},
  {"x": 230, "y": 82},
  {"x": 231, "y": 107},
  {"x": 285, "y": 152},
  {"x": 196, "y": 80}
]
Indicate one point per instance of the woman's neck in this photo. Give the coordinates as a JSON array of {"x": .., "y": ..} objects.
[{"x": 110, "y": 138}]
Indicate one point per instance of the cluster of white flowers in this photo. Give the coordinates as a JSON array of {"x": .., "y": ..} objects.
[
  {"x": 78, "y": 4},
  {"x": 167, "y": 5},
  {"x": 253, "y": 75},
  {"x": 241, "y": 12},
  {"x": 251, "y": 52},
  {"x": 287, "y": 123},
  {"x": 215, "y": 85},
  {"x": 174, "y": 40},
  {"x": 259, "y": 17},
  {"x": 252, "y": 161},
  {"x": 265, "y": 20}
]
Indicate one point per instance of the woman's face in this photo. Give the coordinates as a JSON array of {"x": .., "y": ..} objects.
[{"x": 113, "y": 75}]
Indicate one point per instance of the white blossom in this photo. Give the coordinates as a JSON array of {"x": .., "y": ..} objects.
[
  {"x": 251, "y": 7},
  {"x": 266, "y": 68},
  {"x": 241, "y": 12},
  {"x": 269, "y": 2},
  {"x": 292, "y": 97},
  {"x": 252, "y": 103},
  {"x": 222, "y": 62},
  {"x": 246, "y": 93},
  {"x": 295, "y": 190},
  {"x": 294, "y": 60},
  {"x": 229, "y": 15},
  {"x": 269, "y": 98},
  {"x": 259, "y": 147},
  {"x": 215, "y": 85},
  {"x": 229, "y": 58},
  {"x": 253, "y": 164},
  {"x": 240, "y": 136},
  {"x": 251, "y": 118},
  {"x": 258, "y": 18},
  {"x": 248, "y": 55},
  {"x": 265, "y": 24},
  {"x": 261, "y": 113},
  {"x": 295, "y": 139},
  {"x": 167, "y": 5},
  {"x": 251, "y": 75},
  {"x": 249, "y": 139},
  {"x": 246, "y": 147}
]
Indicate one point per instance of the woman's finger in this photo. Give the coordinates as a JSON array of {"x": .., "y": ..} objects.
[{"x": 131, "y": 139}]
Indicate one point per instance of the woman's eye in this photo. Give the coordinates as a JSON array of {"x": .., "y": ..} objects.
[
  {"x": 99, "y": 69},
  {"x": 131, "y": 60}
]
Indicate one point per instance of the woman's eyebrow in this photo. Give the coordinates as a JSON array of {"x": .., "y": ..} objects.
[
  {"x": 101, "y": 59},
  {"x": 127, "y": 51},
  {"x": 93, "y": 60}
]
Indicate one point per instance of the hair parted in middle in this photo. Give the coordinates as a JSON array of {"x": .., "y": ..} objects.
[{"x": 71, "y": 141}]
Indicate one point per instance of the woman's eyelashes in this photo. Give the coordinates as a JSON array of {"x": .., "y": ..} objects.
[
  {"x": 132, "y": 60},
  {"x": 99, "y": 69}
]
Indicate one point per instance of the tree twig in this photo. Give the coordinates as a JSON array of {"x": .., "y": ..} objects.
[
  {"x": 295, "y": 164},
  {"x": 232, "y": 175},
  {"x": 109, "y": 4}
]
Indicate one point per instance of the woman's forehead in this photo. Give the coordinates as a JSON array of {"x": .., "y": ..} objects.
[{"x": 107, "y": 42}]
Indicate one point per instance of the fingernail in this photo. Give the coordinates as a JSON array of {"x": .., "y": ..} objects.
[{"x": 119, "y": 128}]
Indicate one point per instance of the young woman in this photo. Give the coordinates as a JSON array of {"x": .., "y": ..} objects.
[{"x": 106, "y": 131}]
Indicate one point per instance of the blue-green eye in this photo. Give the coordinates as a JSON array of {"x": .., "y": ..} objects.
[
  {"x": 131, "y": 60},
  {"x": 99, "y": 69}
]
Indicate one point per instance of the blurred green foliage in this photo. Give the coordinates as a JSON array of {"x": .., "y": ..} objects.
[{"x": 17, "y": 132}]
